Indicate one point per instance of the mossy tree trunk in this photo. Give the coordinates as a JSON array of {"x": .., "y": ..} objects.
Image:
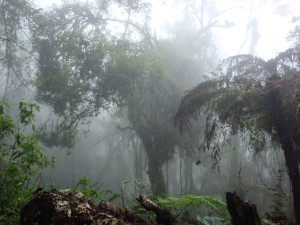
[
  {"x": 155, "y": 152},
  {"x": 155, "y": 174},
  {"x": 288, "y": 139}
]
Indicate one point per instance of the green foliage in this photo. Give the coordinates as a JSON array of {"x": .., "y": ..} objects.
[
  {"x": 84, "y": 67},
  {"x": 90, "y": 191},
  {"x": 212, "y": 221},
  {"x": 253, "y": 96},
  {"x": 20, "y": 158},
  {"x": 136, "y": 183},
  {"x": 278, "y": 195},
  {"x": 26, "y": 113},
  {"x": 140, "y": 183},
  {"x": 93, "y": 193},
  {"x": 180, "y": 204},
  {"x": 177, "y": 205}
]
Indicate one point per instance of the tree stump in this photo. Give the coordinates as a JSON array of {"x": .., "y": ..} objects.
[{"x": 242, "y": 213}]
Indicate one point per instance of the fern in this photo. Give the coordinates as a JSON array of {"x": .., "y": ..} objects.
[
  {"x": 135, "y": 182},
  {"x": 211, "y": 221},
  {"x": 183, "y": 202}
]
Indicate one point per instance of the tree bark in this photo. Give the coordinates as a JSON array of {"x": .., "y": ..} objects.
[
  {"x": 156, "y": 176},
  {"x": 289, "y": 147}
]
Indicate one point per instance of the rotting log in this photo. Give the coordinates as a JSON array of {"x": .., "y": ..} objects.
[
  {"x": 65, "y": 207},
  {"x": 122, "y": 214}
]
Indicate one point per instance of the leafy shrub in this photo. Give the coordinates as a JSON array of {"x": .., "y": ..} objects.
[
  {"x": 90, "y": 191},
  {"x": 20, "y": 158}
]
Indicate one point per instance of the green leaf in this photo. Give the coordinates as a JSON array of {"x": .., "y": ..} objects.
[
  {"x": 27, "y": 147},
  {"x": 211, "y": 221}
]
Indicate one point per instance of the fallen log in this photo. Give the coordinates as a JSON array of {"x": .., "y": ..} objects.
[
  {"x": 123, "y": 214},
  {"x": 65, "y": 207}
]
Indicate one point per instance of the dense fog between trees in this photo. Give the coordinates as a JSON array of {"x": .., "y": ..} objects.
[{"x": 109, "y": 77}]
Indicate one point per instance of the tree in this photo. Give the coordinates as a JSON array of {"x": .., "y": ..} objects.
[
  {"x": 83, "y": 70},
  {"x": 16, "y": 56},
  {"x": 253, "y": 95}
]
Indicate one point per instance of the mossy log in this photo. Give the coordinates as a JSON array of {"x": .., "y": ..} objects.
[{"x": 65, "y": 207}]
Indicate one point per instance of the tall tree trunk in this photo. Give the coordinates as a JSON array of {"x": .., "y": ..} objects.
[
  {"x": 138, "y": 163},
  {"x": 188, "y": 175},
  {"x": 154, "y": 172},
  {"x": 138, "y": 159},
  {"x": 152, "y": 150},
  {"x": 235, "y": 157},
  {"x": 288, "y": 146},
  {"x": 293, "y": 171},
  {"x": 156, "y": 178}
]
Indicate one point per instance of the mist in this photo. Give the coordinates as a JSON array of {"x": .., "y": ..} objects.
[{"x": 109, "y": 77}]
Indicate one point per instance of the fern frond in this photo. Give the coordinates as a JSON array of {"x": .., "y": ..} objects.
[
  {"x": 204, "y": 95},
  {"x": 134, "y": 182},
  {"x": 211, "y": 221},
  {"x": 242, "y": 65},
  {"x": 182, "y": 202}
]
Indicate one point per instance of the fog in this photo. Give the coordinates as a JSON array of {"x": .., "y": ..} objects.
[{"x": 108, "y": 92}]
